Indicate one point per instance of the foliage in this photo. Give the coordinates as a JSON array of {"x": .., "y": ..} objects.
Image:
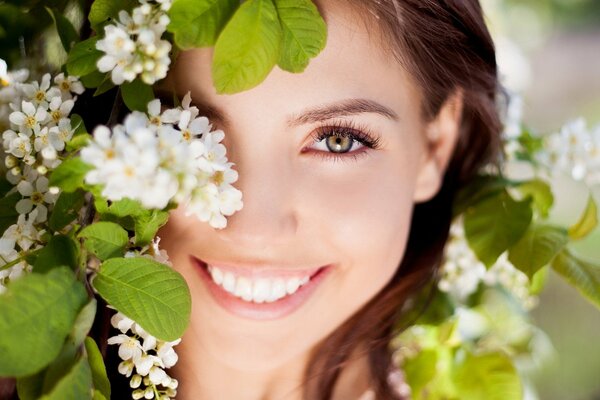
[{"x": 98, "y": 236}]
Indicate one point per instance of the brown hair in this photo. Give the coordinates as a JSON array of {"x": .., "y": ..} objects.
[{"x": 445, "y": 46}]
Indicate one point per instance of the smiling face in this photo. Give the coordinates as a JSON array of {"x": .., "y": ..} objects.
[{"x": 330, "y": 162}]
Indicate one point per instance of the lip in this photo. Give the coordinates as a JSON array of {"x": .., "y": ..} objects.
[{"x": 263, "y": 311}]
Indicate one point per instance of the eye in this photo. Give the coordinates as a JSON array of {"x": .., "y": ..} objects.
[{"x": 342, "y": 139}]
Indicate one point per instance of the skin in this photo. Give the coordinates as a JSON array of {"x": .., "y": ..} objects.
[{"x": 303, "y": 210}]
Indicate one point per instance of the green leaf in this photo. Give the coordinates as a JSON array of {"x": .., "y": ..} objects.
[
  {"x": 98, "y": 395},
  {"x": 147, "y": 224},
  {"x": 537, "y": 248},
  {"x": 584, "y": 275},
  {"x": 83, "y": 323},
  {"x": 99, "y": 378},
  {"x": 30, "y": 387},
  {"x": 587, "y": 222},
  {"x": 106, "y": 85},
  {"x": 247, "y": 48},
  {"x": 60, "y": 251},
  {"x": 78, "y": 125},
  {"x": 150, "y": 293},
  {"x": 123, "y": 208},
  {"x": 83, "y": 57},
  {"x": 66, "y": 209},
  {"x": 94, "y": 79},
  {"x": 8, "y": 212},
  {"x": 80, "y": 135},
  {"x": 197, "y": 23},
  {"x": 495, "y": 224},
  {"x": 70, "y": 174},
  {"x": 304, "y": 33},
  {"x": 137, "y": 95},
  {"x": 105, "y": 239},
  {"x": 420, "y": 371},
  {"x": 540, "y": 192},
  {"x": 66, "y": 31},
  {"x": 37, "y": 314},
  {"x": 104, "y": 10},
  {"x": 538, "y": 283},
  {"x": 489, "y": 377},
  {"x": 77, "y": 384},
  {"x": 481, "y": 188}
]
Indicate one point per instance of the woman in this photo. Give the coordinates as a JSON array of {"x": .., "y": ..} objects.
[{"x": 348, "y": 172}]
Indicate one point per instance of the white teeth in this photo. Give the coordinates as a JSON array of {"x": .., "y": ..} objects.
[
  {"x": 243, "y": 288},
  {"x": 229, "y": 282},
  {"x": 292, "y": 285},
  {"x": 262, "y": 290}
]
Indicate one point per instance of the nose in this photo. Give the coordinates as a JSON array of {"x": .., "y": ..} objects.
[{"x": 268, "y": 216}]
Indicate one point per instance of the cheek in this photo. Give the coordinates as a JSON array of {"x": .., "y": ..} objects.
[{"x": 363, "y": 212}]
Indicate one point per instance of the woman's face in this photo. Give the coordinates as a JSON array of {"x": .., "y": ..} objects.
[{"x": 310, "y": 210}]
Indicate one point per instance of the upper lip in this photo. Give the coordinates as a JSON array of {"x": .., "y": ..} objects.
[{"x": 261, "y": 270}]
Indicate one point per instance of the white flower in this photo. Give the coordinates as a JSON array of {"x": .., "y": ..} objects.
[
  {"x": 169, "y": 116},
  {"x": 214, "y": 152},
  {"x": 186, "y": 104},
  {"x": 8, "y": 254},
  {"x": 64, "y": 132},
  {"x": 149, "y": 359},
  {"x": 157, "y": 375},
  {"x": 40, "y": 93},
  {"x": 17, "y": 174},
  {"x": 60, "y": 109},
  {"x": 574, "y": 150},
  {"x": 192, "y": 128},
  {"x": 68, "y": 85},
  {"x": 48, "y": 142},
  {"x": 145, "y": 363},
  {"x": 4, "y": 77},
  {"x": 17, "y": 144},
  {"x": 119, "y": 49},
  {"x": 35, "y": 195},
  {"x": 24, "y": 233},
  {"x": 30, "y": 118},
  {"x": 462, "y": 272},
  {"x": 167, "y": 354},
  {"x": 121, "y": 322},
  {"x": 129, "y": 347},
  {"x": 126, "y": 367}
]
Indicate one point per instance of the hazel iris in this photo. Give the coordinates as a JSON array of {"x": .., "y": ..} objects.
[{"x": 339, "y": 144}]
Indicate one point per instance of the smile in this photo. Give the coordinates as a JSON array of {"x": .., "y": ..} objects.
[
  {"x": 261, "y": 294},
  {"x": 261, "y": 290}
]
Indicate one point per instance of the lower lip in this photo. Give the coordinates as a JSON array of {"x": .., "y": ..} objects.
[{"x": 263, "y": 311}]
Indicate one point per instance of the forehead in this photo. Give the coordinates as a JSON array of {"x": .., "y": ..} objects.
[{"x": 353, "y": 64}]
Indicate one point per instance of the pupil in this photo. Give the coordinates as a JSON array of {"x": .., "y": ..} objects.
[{"x": 339, "y": 144}]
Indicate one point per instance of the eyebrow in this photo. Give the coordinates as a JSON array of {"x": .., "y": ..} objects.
[
  {"x": 317, "y": 114},
  {"x": 342, "y": 108}
]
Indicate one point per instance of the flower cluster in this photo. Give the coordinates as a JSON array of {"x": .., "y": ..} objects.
[
  {"x": 462, "y": 272},
  {"x": 575, "y": 150},
  {"x": 37, "y": 126},
  {"x": 15, "y": 241},
  {"x": 148, "y": 356},
  {"x": 133, "y": 45},
  {"x": 160, "y": 157}
]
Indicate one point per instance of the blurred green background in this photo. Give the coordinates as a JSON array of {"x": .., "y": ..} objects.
[{"x": 550, "y": 52}]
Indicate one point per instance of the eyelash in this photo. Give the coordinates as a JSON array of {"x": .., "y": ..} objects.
[{"x": 346, "y": 129}]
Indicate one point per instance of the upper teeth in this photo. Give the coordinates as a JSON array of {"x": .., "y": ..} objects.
[{"x": 257, "y": 290}]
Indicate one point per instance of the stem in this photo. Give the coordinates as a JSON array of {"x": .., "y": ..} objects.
[
  {"x": 156, "y": 394},
  {"x": 17, "y": 260}
]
